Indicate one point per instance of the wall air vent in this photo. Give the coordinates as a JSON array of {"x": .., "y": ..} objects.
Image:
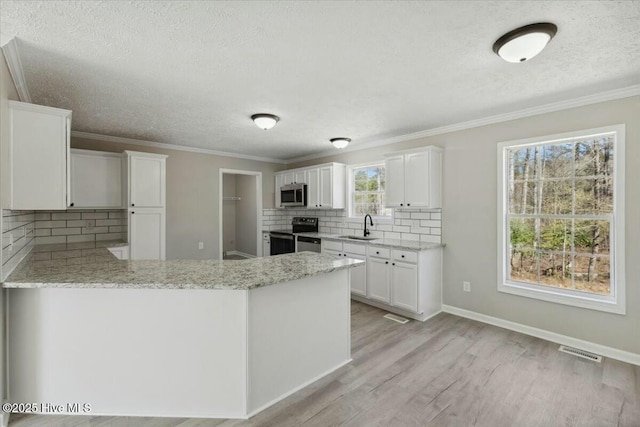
[
  {"x": 396, "y": 318},
  {"x": 581, "y": 353}
]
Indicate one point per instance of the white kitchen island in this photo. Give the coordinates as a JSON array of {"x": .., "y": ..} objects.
[{"x": 214, "y": 339}]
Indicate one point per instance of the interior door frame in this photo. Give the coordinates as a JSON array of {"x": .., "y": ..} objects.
[{"x": 258, "y": 176}]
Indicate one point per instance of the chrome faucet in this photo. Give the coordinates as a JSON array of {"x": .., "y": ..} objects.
[{"x": 367, "y": 232}]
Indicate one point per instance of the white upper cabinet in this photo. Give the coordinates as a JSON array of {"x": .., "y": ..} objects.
[
  {"x": 300, "y": 177},
  {"x": 289, "y": 178},
  {"x": 313, "y": 188},
  {"x": 96, "y": 179},
  {"x": 394, "y": 171},
  {"x": 147, "y": 177},
  {"x": 326, "y": 188},
  {"x": 325, "y": 185},
  {"x": 38, "y": 157},
  {"x": 279, "y": 183},
  {"x": 414, "y": 178}
]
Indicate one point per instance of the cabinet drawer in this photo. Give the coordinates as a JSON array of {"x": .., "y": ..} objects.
[
  {"x": 355, "y": 249},
  {"x": 405, "y": 256},
  {"x": 331, "y": 245},
  {"x": 379, "y": 252}
]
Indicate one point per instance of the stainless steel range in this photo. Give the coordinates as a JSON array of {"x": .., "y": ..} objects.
[{"x": 283, "y": 241}]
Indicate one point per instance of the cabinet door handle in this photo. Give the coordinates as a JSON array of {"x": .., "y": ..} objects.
[
  {"x": 133, "y": 204},
  {"x": 408, "y": 204},
  {"x": 402, "y": 256},
  {"x": 71, "y": 204},
  {"x": 386, "y": 262},
  {"x": 393, "y": 263},
  {"x": 132, "y": 213},
  {"x": 401, "y": 204},
  {"x": 377, "y": 252}
]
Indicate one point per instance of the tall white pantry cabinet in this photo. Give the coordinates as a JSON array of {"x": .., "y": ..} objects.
[{"x": 146, "y": 205}]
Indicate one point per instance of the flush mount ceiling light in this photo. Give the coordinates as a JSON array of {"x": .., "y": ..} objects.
[
  {"x": 265, "y": 121},
  {"x": 525, "y": 42},
  {"x": 340, "y": 142}
]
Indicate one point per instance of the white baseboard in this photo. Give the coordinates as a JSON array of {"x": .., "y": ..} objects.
[
  {"x": 242, "y": 254},
  {"x": 613, "y": 353},
  {"x": 415, "y": 316},
  {"x": 300, "y": 387}
]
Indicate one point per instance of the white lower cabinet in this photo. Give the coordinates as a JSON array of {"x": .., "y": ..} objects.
[
  {"x": 348, "y": 250},
  {"x": 379, "y": 286},
  {"x": 404, "y": 279},
  {"x": 147, "y": 233},
  {"x": 407, "y": 282}
]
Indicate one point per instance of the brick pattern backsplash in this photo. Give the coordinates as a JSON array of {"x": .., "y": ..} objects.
[
  {"x": 17, "y": 238},
  {"x": 408, "y": 224},
  {"x": 75, "y": 226}
]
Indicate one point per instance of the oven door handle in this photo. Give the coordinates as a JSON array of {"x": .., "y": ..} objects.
[{"x": 281, "y": 236}]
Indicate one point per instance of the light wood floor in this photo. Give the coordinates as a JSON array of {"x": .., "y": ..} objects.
[{"x": 448, "y": 371}]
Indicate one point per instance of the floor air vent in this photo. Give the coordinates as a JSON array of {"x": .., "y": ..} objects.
[
  {"x": 580, "y": 353},
  {"x": 396, "y": 318}
]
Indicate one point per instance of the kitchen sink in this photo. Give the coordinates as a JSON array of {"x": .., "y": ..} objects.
[{"x": 358, "y": 237}]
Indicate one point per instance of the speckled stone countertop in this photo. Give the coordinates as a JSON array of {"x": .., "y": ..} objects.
[
  {"x": 61, "y": 266},
  {"x": 384, "y": 243}
]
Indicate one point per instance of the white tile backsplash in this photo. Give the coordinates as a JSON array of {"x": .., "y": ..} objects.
[
  {"x": 80, "y": 226},
  {"x": 18, "y": 236},
  {"x": 415, "y": 224}
]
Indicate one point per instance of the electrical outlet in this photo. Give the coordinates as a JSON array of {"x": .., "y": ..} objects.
[
  {"x": 200, "y": 245},
  {"x": 466, "y": 286}
]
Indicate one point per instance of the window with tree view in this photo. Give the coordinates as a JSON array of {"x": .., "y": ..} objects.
[
  {"x": 559, "y": 219},
  {"x": 367, "y": 184}
]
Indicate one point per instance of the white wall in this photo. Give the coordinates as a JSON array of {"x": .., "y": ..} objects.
[{"x": 469, "y": 221}]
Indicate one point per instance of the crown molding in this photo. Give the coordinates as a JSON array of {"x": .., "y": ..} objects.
[
  {"x": 499, "y": 118},
  {"x": 12, "y": 55},
  {"x": 165, "y": 146}
]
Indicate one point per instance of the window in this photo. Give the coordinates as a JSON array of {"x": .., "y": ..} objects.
[
  {"x": 561, "y": 218},
  {"x": 366, "y": 192}
]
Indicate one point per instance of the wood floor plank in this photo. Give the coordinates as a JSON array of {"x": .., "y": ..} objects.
[{"x": 448, "y": 371}]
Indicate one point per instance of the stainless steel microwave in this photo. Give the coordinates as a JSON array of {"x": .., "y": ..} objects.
[{"x": 293, "y": 195}]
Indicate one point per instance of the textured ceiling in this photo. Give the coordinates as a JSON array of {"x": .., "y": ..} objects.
[{"x": 191, "y": 73}]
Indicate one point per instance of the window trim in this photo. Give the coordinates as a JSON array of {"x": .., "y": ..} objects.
[
  {"x": 350, "y": 184},
  {"x": 615, "y": 303}
]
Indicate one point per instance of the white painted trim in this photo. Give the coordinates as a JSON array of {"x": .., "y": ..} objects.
[
  {"x": 611, "y": 304},
  {"x": 415, "y": 316},
  {"x": 242, "y": 254},
  {"x": 258, "y": 176},
  {"x": 300, "y": 387},
  {"x": 12, "y": 55},
  {"x": 167, "y": 146},
  {"x": 613, "y": 353},
  {"x": 582, "y": 101},
  {"x": 35, "y": 108}
]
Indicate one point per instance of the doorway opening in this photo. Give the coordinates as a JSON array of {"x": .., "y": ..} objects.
[{"x": 240, "y": 214}]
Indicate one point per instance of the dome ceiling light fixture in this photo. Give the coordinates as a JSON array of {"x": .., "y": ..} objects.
[
  {"x": 265, "y": 121},
  {"x": 340, "y": 142},
  {"x": 524, "y": 43}
]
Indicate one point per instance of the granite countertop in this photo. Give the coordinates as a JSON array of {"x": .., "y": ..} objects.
[
  {"x": 384, "y": 243},
  {"x": 69, "y": 266}
]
